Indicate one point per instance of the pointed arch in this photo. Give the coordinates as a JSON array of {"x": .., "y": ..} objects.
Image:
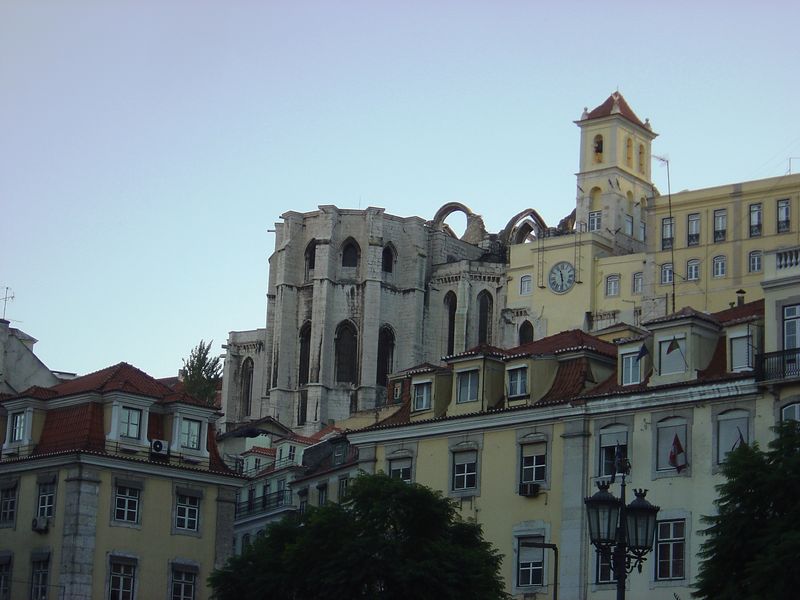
[
  {"x": 346, "y": 343},
  {"x": 305, "y": 353},
  {"x": 246, "y": 387},
  {"x": 310, "y": 259},
  {"x": 450, "y": 305},
  {"x": 485, "y": 311},
  {"x": 446, "y": 210},
  {"x": 385, "y": 355},
  {"x": 525, "y": 332},
  {"x": 388, "y": 257},
  {"x": 351, "y": 253},
  {"x": 521, "y": 226}
]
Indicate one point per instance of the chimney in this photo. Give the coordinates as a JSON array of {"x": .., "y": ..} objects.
[{"x": 740, "y": 297}]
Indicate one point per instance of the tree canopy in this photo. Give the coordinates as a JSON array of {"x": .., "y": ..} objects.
[
  {"x": 202, "y": 373},
  {"x": 388, "y": 540},
  {"x": 754, "y": 538}
]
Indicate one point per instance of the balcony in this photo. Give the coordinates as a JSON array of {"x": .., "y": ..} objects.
[
  {"x": 666, "y": 243},
  {"x": 755, "y": 230},
  {"x": 719, "y": 235},
  {"x": 693, "y": 239},
  {"x": 781, "y": 365},
  {"x": 783, "y": 226},
  {"x": 265, "y": 504}
]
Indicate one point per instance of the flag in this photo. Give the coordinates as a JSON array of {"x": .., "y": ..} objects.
[
  {"x": 673, "y": 345},
  {"x": 642, "y": 353},
  {"x": 740, "y": 441},
  {"x": 677, "y": 457},
  {"x": 619, "y": 463}
]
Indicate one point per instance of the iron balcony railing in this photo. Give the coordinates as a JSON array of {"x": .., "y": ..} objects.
[
  {"x": 266, "y": 503},
  {"x": 784, "y": 364}
]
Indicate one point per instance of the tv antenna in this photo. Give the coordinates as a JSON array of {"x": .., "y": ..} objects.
[{"x": 9, "y": 295}]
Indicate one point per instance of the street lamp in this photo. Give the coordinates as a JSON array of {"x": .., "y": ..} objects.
[{"x": 625, "y": 533}]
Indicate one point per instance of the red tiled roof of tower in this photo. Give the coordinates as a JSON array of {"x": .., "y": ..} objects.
[
  {"x": 606, "y": 109},
  {"x": 565, "y": 341},
  {"x": 77, "y": 427}
]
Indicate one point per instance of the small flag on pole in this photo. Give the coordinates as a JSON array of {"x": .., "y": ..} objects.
[
  {"x": 677, "y": 457},
  {"x": 673, "y": 345},
  {"x": 642, "y": 353},
  {"x": 740, "y": 441}
]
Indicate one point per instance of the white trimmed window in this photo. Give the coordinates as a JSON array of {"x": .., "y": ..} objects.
[
  {"x": 672, "y": 355},
  {"x": 17, "y": 426},
  {"x": 126, "y": 504},
  {"x": 741, "y": 353},
  {"x": 187, "y": 512},
  {"x": 595, "y": 220},
  {"x": 467, "y": 387},
  {"x": 671, "y": 444},
  {"x": 517, "y": 381},
  {"x": 422, "y": 395},
  {"x": 693, "y": 270},
  {"x": 733, "y": 428},
  {"x": 612, "y": 285},
  {"x": 670, "y": 549},
  {"x": 400, "y": 468},
  {"x": 8, "y": 504},
  {"x": 667, "y": 232},
  {"x": 525, "y": 285},
  {"x": 629, "y": 225},
  {"x": 638, "y": 280},
  {"x": 184, "y": 583},
  {"x": 783, "y": 216},
  {"x": 122, "y": 580},
  {"x": 791, "y": 412},
  {"x": 130, "y": 422},
  {"x": 465, "y": 470},
  {"x": 720, "y": 225},
  {"x": 720, "y": 266},
  {"x": 754, "y": 261},
  {"x": 47, "y": 500},
  {"x": 693, "y": 229},
  {"x": 755, "y": 220},
  {"x": 40, "y": 572},
  {"x": 631, "y": 368},
  {"x": 611, "y": 437},
  {"x": 190, "y": 434},
  {"x": 530, "y": 561},
  {"x": 666, "y": 273},
  {"x": 533, "y": 463}
]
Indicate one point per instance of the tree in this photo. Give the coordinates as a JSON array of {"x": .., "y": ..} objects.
[
  {"x": 202, "y": 373},
  {"x": 388, "y": 540},
  {"x": 755, "y": 535}
]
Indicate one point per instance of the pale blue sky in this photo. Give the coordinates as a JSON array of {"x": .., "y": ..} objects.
[{"x": 146, "y": 147}]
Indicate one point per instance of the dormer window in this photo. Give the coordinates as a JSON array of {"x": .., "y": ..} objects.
[
  {"x": 17, "y": 427},
  {"x": 130, "y": 422},
  {"x": 672, "y": 355},
  {"x": 741, "y": 353},
  {"x": 338, "y": 454},
  {"x": 631, "y": 368},
  {"x": 190, "y": 434},
  {"x": 517, "y": 381}
]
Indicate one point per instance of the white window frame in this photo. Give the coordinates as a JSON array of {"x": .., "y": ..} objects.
[
  {"x": 629, "y": 225},
  {"x": 517, "y": 381},
  {"x": 533, "y": 462},
  {"x": 126, "y": 423},
  {"x": 609, "y": 437},
  {"x": 127, "y": 501},
  {"x": 423, "y": 390},
  {"x": 530, "y": 571},
  {"x": 191, "y": 432},
  {"x": 756, "y": 221},
  {"x": 472, "y": 377},
  {"x": 693, "y": 270},
  {"x": 595, "y": 220},
  {"x": 525, "y": 285},
  {"x": 400, "y": 468},
  {"x": 465, "y": 470},
  {"x": 735, "y": 352},
  {"x": 667, "y": 233},
  {"x": 612, "y": 285},
  {"x": 187, "y": 513},
  {"x": 631, "y": 368},
  {"x": 184, "y": 584},
  {"x": 665, "y": 357},
  {"x": 637, "y": 283},
  {"x": 784, "y": 216},
  {"x": 733, "y": 428},
  {"x": 8, "y": 505},
  {"x": 666, "y": 429},
  {"x": 720, "y": 225},
  {"x": 720, "y": 266},
  {"x": 693, "y": 229},
  {"x": 667, "y": 273},
  {"x": 46, "y": 504},
  {"x": 754, "y": 260},
  {"x": 669, "y": 545},
  {"x": 122, "y": 578},
  {"x": 40, "y": 576}
]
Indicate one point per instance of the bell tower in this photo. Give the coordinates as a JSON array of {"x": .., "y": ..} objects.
[{"x": 614, "y": 177}]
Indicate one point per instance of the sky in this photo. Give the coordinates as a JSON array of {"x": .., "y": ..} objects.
[{"x": 148, "y": 148}]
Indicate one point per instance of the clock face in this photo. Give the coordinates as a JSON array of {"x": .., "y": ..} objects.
[{"x": 562, "y": 277}]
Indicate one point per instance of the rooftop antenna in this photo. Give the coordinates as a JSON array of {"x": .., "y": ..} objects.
[
  {"x": 9, "y": 295},
  {"x": 665, "y": 161}
]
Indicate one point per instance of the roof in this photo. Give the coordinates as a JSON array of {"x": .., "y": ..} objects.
[
  {"x": 479, "y": 350},
  {"x": 571, "y": 379},
  {"x": 742, "y": 313},
  {"x": 77, "y": 427},
  {"x": 425, "y": 367},
  {"x": 615, "y": 104},
  {"x": 260, "y": 450},
  {"x": 563, "y": 342},
  {"x": 686, "y": 312}
]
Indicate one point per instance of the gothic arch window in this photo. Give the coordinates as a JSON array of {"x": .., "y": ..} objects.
[
  {"x": 346, "y": 353},
  {"x": 350, "y": 253},
  {"x": 450, "y": 303},
  {"x": 485, "y": 305},
  {"x": 246, "y": 386},
  {"x": 597, "y": 146},
  {"x": 629, "y": 152},
  {"x": 385, "y": 355},
  {"x": 310, "y": 258},
  {"x": 525, "y": 333},
  {"x": 305, "y": 353},
  {"x": 387, "y": 259}
]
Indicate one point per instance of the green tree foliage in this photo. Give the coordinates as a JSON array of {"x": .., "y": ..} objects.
[
  {"x": 388, "y": 540},
  {"x": 754, "y": 539},
  {"x": 202, "y": 373}
]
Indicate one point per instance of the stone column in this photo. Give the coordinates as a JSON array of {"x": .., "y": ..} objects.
[
  {"x": 80, "y": 530},
  {"x": 573, "y": 546}
]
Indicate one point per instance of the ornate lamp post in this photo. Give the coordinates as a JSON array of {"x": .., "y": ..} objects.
[{"x": 625, "y": 533}]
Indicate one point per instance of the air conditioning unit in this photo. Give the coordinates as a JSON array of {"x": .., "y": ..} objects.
[
  {"x": 40, "y": 524},
  {"x": 529, "y": 489},
  {"x": 160, "y": 447}
]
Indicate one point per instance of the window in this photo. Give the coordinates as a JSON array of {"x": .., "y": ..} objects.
[
  {"x": 518, "y": 381},
  {"x": 638, "y": 280},
  {"x": 673, "y": 356},
  {"x": 525, "y": 332},
  {"x": 720, "y": 224},
  {"x": 5, "y": 578},
  {"x": 39, "y": 575},
  {"x": 666, "y": 273},
  {"x": 791, "y": 412},
  {"x": 339, "y": 453},
  {"x": 720, "y": 266},
  {"x": 642, "y": 229},
  {"x": 604, "y": 572},
  {"x": 130, "y": 422},
  {"x": 530, "y": 562},
  {"x": 671, "y": 444},
  {"x": 631, "y": 368},
  {"x": 450, "y": 304},
  {"x": 670, "y": 542},
  {"x": 123, "y": 577},
  {"x": 292, "y": 453},
  {"x": 732, "y": 432},
  {"x": 126, "y": 504},
  {"x": 422, "y": 396},
  {"x": 257, "y": 465},
  {"x": 246, "y": 386},
  {"x": 322, "y": 494},
  {"x": 387, "y": 260},
  {"x": 47, "y": 500},
  {"x": 754, "y": 261},
  {"x": 525, "y": 285},
  {"x": 629, "y": 152},
  {"x": 190, "y": 434},
  {"x": 693, "y": 270},
  {"x": 791, "y": 327},
  {"x": 783, "y": 216},
  {"x": 8, "y": 504},
  {"x": 400, "y": 469},
  {"x": 467, "y": 387},
  {"x": 741, "y": 353},
  {"x": 611, "y": 438},
  {"x": 310, "y": 259},
  {"x": 755, "y": 220},
  {"x": 485, "y": 306},
  {"x": 612, "y": 285},
  {"x": 385, "y": 356},
  {"x": 629, "y": 225},
  {"x": 667, "y": 232},
  {"x": 595, "y": 220},
  {"x": 693, "y": 229},
  {"x": 344, "y": 485},
  {"x": 350, "y": 254},
  {"x": 465, "y": 470},
  {"x": 17, "y": 426},
  {"x": 187, "y": 513},
  {"x": 183, "y": 584},
  {"x": 533, "y": 463},
  {"x": 346, "y": 353},
  {"x": 598, "y": 148}
]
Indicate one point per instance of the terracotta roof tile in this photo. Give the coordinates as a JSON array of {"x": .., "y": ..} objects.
[
  {"x": 571, "y": 379},
  {"x": 565, "y": 341},
  {"x": 260, "y": 450},
  {"x": 606, "y": 109},
  {"x": 480, "y": 350},
  {"x": 72, "y": 428},
  {"x": 740, "y": 313}
]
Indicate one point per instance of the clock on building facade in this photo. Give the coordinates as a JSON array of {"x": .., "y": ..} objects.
[{"x": 562, "y": 277}]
